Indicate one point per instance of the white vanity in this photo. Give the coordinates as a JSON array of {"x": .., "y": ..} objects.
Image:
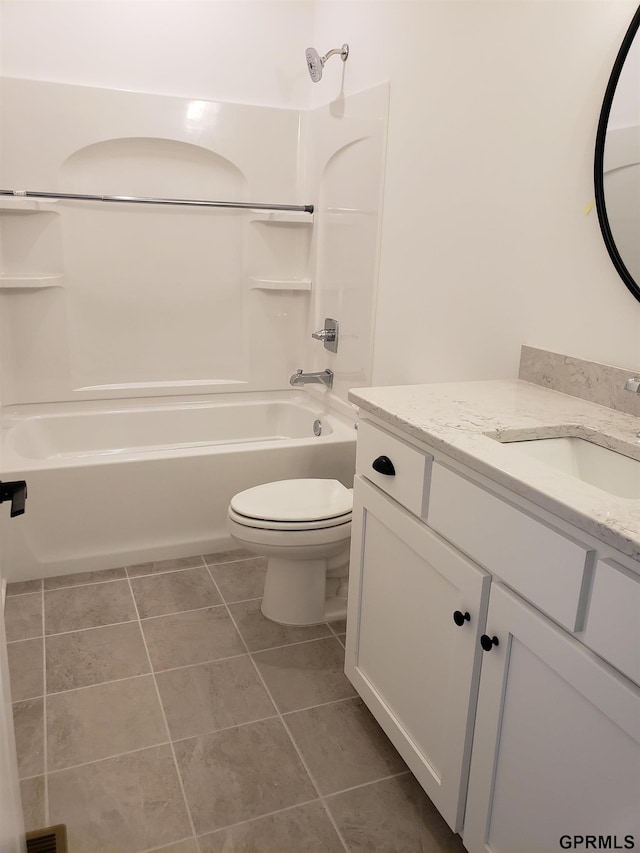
[{"x": 494, "y": 609}]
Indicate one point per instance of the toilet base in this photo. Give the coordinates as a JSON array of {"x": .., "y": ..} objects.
[
  {"x": 335, "y": 609},
  {"x": 296, "y": 594}
]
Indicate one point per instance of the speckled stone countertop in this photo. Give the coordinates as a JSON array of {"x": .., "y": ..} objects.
[{"x": 460, "y": 418}]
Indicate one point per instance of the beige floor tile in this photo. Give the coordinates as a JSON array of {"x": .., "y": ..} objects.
[
  {"x": 211, "y": 696},
  {"x": 91, "y": 657},
  {"x": 80, "y": 578},
  {"x": 28, "y": 722},
  {"x": 163, "y": 566},
  {"x": 75, "y": 608},
  {"x": 20, "y": 587},
  {"x": 304, "y": 829},
  {"x": 124, "y": 804},
  {"x": 305, "y": 674},
  {"x": 173, "y": 592},
  {"x": 193, "y": 637},
  {"x": 241, "y": 773},
  {"x": 240, "y": 580},
  {"x": 394, "y": 816},
  {"x": 26, "y": 669},
  {"x": 228, "y": 556},
  {"x": 108, "y": 719},
  {"x": 343, "y": 746},
  {"x": 32, "y": 792},
  {"x": 23, "y": 616},
  {"x": 258, "y": 632}
]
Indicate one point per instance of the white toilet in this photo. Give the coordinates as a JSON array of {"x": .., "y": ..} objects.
[{"x": 304, "y": 528}]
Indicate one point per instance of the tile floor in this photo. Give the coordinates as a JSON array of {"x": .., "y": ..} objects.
[{"x": 157, "y": 709}]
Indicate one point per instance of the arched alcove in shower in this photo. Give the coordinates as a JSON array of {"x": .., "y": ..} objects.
[{"x": 154, "y": 294}]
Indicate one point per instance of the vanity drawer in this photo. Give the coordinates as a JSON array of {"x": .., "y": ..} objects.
[
  {"x": 409, "y": 485},
  {"x": 541, "y": 564},
  {"x": 613, "y": 624}
]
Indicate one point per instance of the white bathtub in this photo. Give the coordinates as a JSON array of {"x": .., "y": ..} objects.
[{"x": 112, "y": 483}]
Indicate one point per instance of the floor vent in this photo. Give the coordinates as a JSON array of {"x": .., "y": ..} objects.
[{"x": 51, "y": 839}]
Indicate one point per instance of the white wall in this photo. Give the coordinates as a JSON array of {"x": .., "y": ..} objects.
[
  {"x": 485, "y": 243},
  {"x": 248, "y": 51},
  {"x": 494, "y": 107}
]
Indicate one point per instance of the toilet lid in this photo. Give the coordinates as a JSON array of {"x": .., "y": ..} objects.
[{"x": 294, "y": 500}]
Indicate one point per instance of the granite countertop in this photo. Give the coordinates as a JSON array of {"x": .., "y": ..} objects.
[{"x": 459, "y": 418}]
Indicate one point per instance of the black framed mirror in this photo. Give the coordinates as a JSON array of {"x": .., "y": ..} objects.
[{"x": 617, "y": 161}]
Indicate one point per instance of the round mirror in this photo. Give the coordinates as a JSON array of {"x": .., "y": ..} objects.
[{"x": 617, "y": 161}]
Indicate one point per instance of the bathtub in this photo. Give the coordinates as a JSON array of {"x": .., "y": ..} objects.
[{"x": 113, "y": 483}]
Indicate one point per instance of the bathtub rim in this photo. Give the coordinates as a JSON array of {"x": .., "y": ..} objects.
[{"x": 341, "y": 417}]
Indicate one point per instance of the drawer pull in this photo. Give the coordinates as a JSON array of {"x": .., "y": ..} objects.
[
  {"x": 460, "y": 618},
  {"x": 488, "y": 643},
  {"x": 383, "y": 465}
]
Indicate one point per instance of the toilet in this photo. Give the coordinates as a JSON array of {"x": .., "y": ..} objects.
[{"x": 303, "y": 527}]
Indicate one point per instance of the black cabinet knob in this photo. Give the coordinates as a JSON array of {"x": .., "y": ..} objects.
[
  {"x": 460, "y": 618},
  {"x": 488, "y": 643},
  {"x": 383, "y": 465}
]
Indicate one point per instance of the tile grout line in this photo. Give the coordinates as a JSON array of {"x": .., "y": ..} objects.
[
  {"x": 288, "y": 645},
  {"x": 92, "y": 628},
  {"x": 142, "y": 674},
  {"x": 306, "y": 802},
  {"x": 164, "y": 717},
  {"x": 185, "y": 666},
  {"x": 108, "y": 757},
  {"x": 170, "y": 845},
  {"x": 321, "y": 705},
  {"x": 86, "y": 583},
  {"x": 260, "y": 817},
  {"x": 286, "y": 728},
  {"x": 47, "y": 820}
]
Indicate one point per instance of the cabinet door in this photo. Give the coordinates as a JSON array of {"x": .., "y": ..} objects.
[
  {"x": 556, "y": 749},
  {"x": 415, "y": 668}
]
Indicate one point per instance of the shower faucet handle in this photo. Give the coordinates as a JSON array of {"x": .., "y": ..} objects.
[
  {"x": 328, "y": 335},
  {"x": 324, "y": 335}
]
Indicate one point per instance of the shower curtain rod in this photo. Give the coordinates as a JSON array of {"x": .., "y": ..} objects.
[{"x": 185, "y": 202}]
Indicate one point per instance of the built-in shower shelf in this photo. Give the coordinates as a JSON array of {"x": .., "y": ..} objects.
[
  {"x": 19, "y": 204},
  {"x": 29, "y": 282},
  {"x": 279, "y": 284},
  {"x": 281, "y": 217}
]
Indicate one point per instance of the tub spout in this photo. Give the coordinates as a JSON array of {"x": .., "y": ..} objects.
[{"x": 322, "y": 377}]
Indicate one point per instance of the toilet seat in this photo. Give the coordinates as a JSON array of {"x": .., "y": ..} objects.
[
  {"x": 306, "y": 504},
  {"x": 267, "y": 524}
]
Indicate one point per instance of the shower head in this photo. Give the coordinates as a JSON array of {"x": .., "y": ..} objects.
[{"x": 315, "y": 62}]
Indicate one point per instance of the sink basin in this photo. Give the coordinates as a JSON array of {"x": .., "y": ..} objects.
[{"x": 607, "y": 470}]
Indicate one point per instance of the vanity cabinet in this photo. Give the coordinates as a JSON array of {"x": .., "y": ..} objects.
[
  {"x": 515, "y": 721},
  {"x": 415, "y": 667},
  {"x": 556, "y": 749}
]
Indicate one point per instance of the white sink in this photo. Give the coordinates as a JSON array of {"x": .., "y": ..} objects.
[{"x": 607, "y": 470}]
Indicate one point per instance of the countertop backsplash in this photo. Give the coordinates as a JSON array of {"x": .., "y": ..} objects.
[{"x": 588, "y": 380}]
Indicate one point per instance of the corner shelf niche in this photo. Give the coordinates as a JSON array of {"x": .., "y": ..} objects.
[
  {"x": 281, "y": 217},
  {"x": 31, "y": 244},
  {"x": 29, "y": 282},
  {"x": 298, "y": 284},
  {"x": 280, "y": 252},
  {"x": 21, "y": 204}
]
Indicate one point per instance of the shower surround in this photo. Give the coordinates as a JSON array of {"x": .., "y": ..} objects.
[{"x": 155, "y": 306}]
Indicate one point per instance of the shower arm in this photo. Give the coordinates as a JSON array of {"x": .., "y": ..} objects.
[{"x": 343, "y": 51}]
